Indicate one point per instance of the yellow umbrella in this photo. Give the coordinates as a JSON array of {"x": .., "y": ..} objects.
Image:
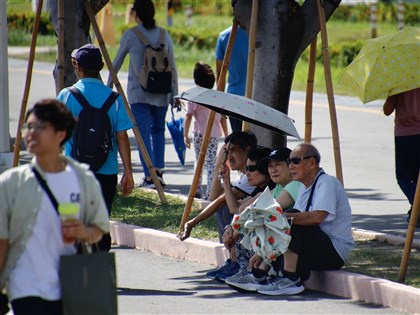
[{"x": 385, "y": 66}]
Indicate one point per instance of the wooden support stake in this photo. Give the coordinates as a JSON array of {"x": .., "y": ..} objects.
[
  {"x": 251, "y": 55},
  {"x": 16, "y": 151},
  {"x": 60, "y": 59},
  {"x": 330, "y": 92},
  {"x": 310, "y": 92},
  {"x": 415, "y": 213}
]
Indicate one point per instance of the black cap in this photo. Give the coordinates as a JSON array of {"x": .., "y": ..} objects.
[
  {"x": 279, "y": 154},
  {"x": 88, "y": 57}
]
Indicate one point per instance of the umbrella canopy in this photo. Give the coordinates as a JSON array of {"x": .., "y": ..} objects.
[
  {"x": 176, "y": 129},
  {"x": 385, "y": 66},
  {"x": 243, "y": 108}
]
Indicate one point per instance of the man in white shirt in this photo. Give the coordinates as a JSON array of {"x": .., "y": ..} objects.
[{"x": 321, "y": 229}]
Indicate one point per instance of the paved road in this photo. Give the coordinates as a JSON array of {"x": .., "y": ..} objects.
[
  {"x": 366, "y": 140},
  {"x": 156, "y": 284},
  {"x": 153, "y": 284}
]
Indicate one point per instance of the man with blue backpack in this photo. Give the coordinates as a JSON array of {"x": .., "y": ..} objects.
[{"x": 102, "y": 127}]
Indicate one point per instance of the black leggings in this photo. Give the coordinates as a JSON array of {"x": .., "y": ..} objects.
[
  {"x": 33, "y": 305},
  {"x": 315, "y": 251},
  {"x": 108, "y": 186}
]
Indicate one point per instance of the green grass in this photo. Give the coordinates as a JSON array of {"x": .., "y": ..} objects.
[
  {"x": 145, "y": 209},
  {"x": 382, "y": 260},
  {"x": 371, "y": 258}
]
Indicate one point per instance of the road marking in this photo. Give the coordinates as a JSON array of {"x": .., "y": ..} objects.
[
  {"x": 186, "y": 87},
  {"x": 340, "y": 107}
]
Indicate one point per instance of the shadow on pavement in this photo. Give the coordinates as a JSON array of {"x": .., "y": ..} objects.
[
  {"x": 392, "y": 224},
  {"x": 135, "y": 292}
]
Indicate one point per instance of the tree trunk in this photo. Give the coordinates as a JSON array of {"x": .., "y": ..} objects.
[
  {"x": 76, "y": 31},
  {"x": 284, "y": 30}
]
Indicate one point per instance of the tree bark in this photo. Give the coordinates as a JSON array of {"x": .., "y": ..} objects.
[
  {"x": 76, "y": 31},
  {"x": 284, "y": 30}
]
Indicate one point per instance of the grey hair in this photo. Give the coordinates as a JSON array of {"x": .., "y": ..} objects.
[{"x": 310, "y": 150}]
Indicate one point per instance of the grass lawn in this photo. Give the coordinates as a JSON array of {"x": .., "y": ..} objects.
[{"x": 371, "y": 258}]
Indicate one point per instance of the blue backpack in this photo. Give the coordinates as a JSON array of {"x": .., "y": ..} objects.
[{"x": 92, "y": 139}]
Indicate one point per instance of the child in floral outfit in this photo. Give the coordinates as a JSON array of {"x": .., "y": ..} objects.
[{"x": 204, "y": 77}]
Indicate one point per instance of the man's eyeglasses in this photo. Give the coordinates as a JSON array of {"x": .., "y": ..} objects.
[
  {"x": 251, "y": 168},
  {"x": 26, "y": 127},
  {"x": 297, "y": 160}
]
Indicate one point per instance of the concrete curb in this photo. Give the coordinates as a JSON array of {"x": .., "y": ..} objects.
[
  {"x": 340, "y": 283},
  {"x": 382, "y": 237}
]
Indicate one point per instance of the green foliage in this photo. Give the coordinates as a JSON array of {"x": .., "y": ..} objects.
[
  {"x": 386, "y": 12},
  {"x": 187, "y": 38},
  {"x": 341, "y": 53},
  {"x": 212, "y": 7},
  {"x": 25, "y": 22},
  {"x": 368, "y": 258}
]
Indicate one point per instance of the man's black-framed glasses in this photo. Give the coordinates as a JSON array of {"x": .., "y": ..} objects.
[{"x": 297, "y": 160}]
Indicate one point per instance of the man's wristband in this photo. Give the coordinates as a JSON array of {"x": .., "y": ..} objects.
[{"x": 227, "y": 226}]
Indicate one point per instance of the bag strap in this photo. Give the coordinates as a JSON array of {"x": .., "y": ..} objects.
[
  {"x": 312, "y": 192},
  {"x": 162, "y": 36},
  {"x": 84, "y": 103},
  {"x": 145, "y": 41},
  {"x": 44, "y": 186},
  {"x": 110, "y": 101},
  {"x": 141, "y": 36},
  {"x": 79, "y": 96}
]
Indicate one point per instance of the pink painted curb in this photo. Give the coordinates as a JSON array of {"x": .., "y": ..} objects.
[{"x": 340, "y": 283}]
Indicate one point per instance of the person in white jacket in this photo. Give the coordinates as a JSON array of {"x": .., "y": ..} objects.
[{"x": 32, "y": 235}]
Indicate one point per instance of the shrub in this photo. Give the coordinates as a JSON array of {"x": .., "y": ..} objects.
[
  {"x": 386, "y": 12},
  {"x": 186, "y": 37},
  {"x": 341, "y": 54},
  {"x": 25, "y": 22}
]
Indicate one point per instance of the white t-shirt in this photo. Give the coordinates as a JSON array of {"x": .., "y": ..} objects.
[
  {"x": 37, "y": 271},
  {"x": 330, "y": 196},
  {"x": 241, "y": 184}
]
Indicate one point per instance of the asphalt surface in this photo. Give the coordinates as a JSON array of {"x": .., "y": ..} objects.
[{"x": 156, "y": 284}]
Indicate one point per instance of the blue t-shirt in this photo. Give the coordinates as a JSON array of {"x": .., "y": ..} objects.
[
  {"x": 238, "y": 59},
  {"x": 96, "y": 93}
]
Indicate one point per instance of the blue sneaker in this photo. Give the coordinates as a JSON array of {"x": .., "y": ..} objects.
[
  {"x": 232, "y": 270},
  {"x": 229, "y": 268}
]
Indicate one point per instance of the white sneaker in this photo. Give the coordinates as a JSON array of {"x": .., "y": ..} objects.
[
  {"x": 244, "y": 281},
  {"x": 282, "y": 286}
]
